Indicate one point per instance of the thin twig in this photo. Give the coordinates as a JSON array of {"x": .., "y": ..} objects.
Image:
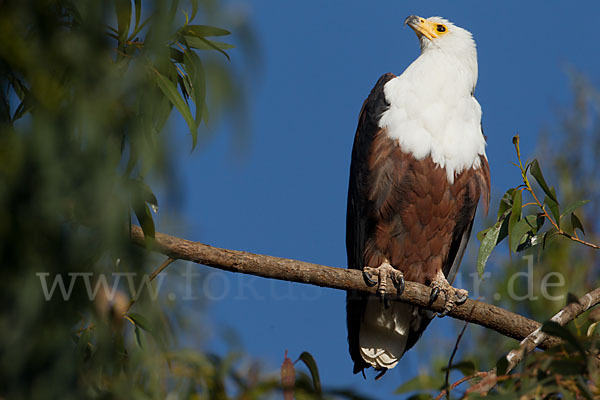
[
  {"x": 531, "y": 203},
  {"x": 162, "y": 267},
  {"x": 480, "y": 374},
  {"x": 154, "y": 274},
  {"x": 447, "y": 380},
  {"x": 489, "y": 376}
]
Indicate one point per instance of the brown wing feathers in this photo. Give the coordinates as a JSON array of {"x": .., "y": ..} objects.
[{"x": 356, "y": 217}]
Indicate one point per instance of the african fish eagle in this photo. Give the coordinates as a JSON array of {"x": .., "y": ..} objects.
[{"x": 418, "y": 170}]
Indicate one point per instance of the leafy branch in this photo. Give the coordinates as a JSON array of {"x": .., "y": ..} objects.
[
  {"x": 554, "y": 327},
  {"x": 524, "y": 230},
  {"x": 550, "y": 200}
]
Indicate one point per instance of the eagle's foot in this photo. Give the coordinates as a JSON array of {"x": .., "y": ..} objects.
[
  {"x": 452, "y": 295},
  {"x": 383, "y": 272}
]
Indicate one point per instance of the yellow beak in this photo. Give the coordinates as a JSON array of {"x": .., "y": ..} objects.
[{"x": 421, "y": 26}]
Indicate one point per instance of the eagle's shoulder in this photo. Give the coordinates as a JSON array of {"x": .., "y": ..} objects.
[{"x": 375, "y": 104}]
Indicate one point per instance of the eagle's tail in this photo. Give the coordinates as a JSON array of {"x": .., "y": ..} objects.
[{"x": 384, "y": 332}]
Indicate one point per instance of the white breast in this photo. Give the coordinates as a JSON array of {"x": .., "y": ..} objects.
[{"x": 433, "y": 113}]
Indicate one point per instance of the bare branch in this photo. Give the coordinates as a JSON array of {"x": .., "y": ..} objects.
[
  {"x": 563, "y": 317},
  {"x": 487, "y": 315}
]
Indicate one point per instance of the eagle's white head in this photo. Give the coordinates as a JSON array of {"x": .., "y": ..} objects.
[
  {"x": 440, "y": 37},
  {"x": 433, "y": 111}
]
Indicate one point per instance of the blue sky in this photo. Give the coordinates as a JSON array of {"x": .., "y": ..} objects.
[{"x": 286, "y": 196}]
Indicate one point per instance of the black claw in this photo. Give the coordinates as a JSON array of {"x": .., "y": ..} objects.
[
  {"x": 399, "y": 285},
  {"x": 461, "y": 300},
  {"x": 368, "y": 279},
  {"x": 434, "y": 295},
  {"x": 446, "y": 307},
  {"x": 443, "y": 313}
]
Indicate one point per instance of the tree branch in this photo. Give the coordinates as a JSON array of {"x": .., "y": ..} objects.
[
  {"x": 514, "y": 357},
  {"x": 487, "y": 315}
]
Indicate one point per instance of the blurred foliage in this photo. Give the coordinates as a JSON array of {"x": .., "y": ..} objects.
[
  {"x": 87, "y": 89},
  {"x": 551, "y": 269},
  {"x": 296, "y": 384}
]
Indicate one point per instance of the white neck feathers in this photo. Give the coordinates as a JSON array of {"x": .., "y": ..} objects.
[{"x": 433, "y": 111}]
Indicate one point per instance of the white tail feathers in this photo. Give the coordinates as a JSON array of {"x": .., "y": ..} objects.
[{"x": 383, "y": 332}]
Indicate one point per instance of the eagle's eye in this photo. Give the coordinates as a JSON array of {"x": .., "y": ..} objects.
[{"x": 441, "y": 28}]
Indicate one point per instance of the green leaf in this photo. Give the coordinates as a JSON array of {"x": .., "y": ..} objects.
[
  {"x": 548, "y": 235},
  {"x": 204, "y": 30},
  {"x": 519, "y": 230},
  {"x": 170, "y": 15},
  {"x": 420, "y": 382},
  {"x": 18, "y": 86},
  {"x": 123, "y": 10},
  {"x": 138, "y": 12},
  {"x": 185, "y": 86},
  {"x": 176, "y": 55},
  {"x": 576, "y": 223},
  {"x": 194, "y": 9},
  {"x": 539, "y": 222},
  {"x": 553, "y": 205},
  {"x": 533, "y": 239},
  {"x": 572, "y": 207},
  {"x": 143, "y": 193},
  {"x": 27, "y": 99},
  {"x": 138, "y": 336},
  {"x": 144, "y": 217},
  {"x": 23, "y": 108},
  {"x": 503, "y": 228},
  {"x": 308, "y": 359},
  {"x": 195, "y": 70},
  {"x": 501, "y": 366},
  {"x": 205, "y": 114},
  {"x": 506, "y": 202},
  {"x": 536, "y": 172},
  {"x": 205, "y": 44},
  {"x": 554, "y": 329},
  {"x": 517, "y": 205},
  {"x": 465, "y": 367},
  {"x": 140, "y": 321},
  {"x": 138, "y": 29},
  {"x": 515, "y": 215},
  {"x": 487, "y": 245},
  {"x": 482, "y": 233},
  {"x": 170, "y": 91}
]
